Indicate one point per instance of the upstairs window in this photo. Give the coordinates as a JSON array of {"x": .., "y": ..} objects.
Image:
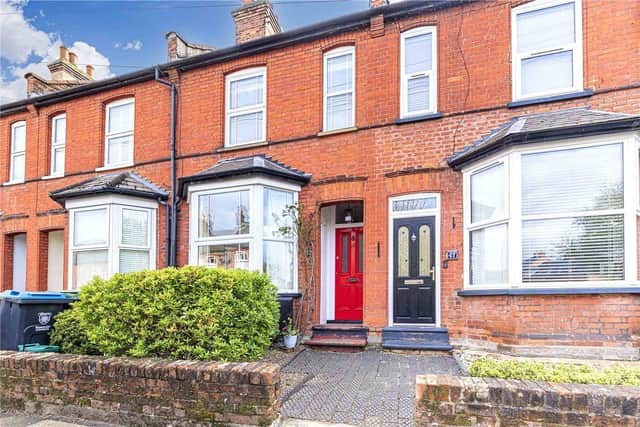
[
  {"x": 18, "y": 151},
  {"x": 418, "y": 71},
  {"x": 547, "y": 48},
  {"x": 246, "y": 107},
  {"x": 58, "y": 141},
  {"x": 339, "y": 89},
  {"x": 119, "y": 133}
]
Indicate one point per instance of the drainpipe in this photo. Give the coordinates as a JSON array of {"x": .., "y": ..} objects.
[
  {"x": 167, "y": 240},
  {"x": 172, "y": 200}
]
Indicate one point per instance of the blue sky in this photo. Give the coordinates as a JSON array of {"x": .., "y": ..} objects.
[{"x": 121, "y": 36}]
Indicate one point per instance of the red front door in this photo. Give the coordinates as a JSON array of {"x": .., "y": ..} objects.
[{"x": 349, "y": 261}]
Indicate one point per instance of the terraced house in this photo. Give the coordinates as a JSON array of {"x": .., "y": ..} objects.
[{"x": 473, "y": 166}]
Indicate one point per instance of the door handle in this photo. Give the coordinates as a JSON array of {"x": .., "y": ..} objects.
[{"x": 352, "y": 280}]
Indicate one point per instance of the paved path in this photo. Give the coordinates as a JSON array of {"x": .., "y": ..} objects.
[{"x": 372, "y": 388}]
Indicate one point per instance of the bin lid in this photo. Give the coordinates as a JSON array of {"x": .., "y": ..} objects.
[
  {"x": 39, "y": 348},
  {"x": 24, "y": 297}
]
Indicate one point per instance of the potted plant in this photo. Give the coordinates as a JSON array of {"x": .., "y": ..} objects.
[{"x": 290, "y": 334}]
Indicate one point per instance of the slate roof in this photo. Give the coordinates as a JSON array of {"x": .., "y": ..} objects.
[
  {"x": 539, "y": 127},
  {"x": 257, "y": 164},
  {"x": 127, "y": 183}
]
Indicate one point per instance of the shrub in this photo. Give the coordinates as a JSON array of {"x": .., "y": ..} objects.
[
  {"x": 187, "y": 313},
  {"x": 555, "y": 372}
]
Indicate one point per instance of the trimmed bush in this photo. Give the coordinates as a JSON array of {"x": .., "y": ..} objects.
[
  {"x": 555, "y": 372},
  {"x": 187, "y": 313}
]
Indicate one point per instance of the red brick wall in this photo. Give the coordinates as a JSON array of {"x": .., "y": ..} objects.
[
  {"x": 385, "y": 159},
  {"x": 140, "y": 391}
]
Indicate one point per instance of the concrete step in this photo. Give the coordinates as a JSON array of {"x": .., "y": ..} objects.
[{"x": 416, "y": 338}]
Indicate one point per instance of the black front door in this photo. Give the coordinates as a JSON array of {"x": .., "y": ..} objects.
[{"x": 414, "y": 269}]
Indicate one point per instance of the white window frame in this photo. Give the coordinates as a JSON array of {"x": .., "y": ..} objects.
[
  {"x": 334, "y": 53},
  {"x": 57, "y": 145},
  {"x": 230, "y": 113},
  {"x": 18, "y": 153},
  {"x": 255, "y": 238},
  {"x": 114, "y": 204},
  {"x": 513, "y": 198},
  {"x": 432, "y": 74},
  {"x": 109, "y": 135},
  {"x": 576, "y": 48}
]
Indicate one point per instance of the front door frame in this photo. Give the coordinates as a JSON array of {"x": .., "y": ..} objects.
[
  {"x": 328, "y": 228},
  {"x": 418, "y": 213}
]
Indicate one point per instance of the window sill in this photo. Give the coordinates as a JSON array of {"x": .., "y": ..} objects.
[
  {"x": 543, "y": 100},
  {"x": 420, "y": 118},
  {"x": 112, "y": 167},
  {"x": 48, "y": 177},
  {"x": 242, "y": 146},
  {"x": 10, "y": 183},
  {"x": 550, "y": 291},
  {"x": 337, "y": 131}
]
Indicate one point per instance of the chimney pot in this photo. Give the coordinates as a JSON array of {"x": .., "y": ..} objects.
[
  {"x": 378, "y": 3},
  {"x": 64, "y": 53},
  {"x": 72, "y": 57},
  {"x": 90, "y": 70}
]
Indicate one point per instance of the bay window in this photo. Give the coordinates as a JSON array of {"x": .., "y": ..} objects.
[
  {"x": 556, "y": 215},
  {"x": 119, "y": 133},
  {"x": 246, "y": 107},
  {"x": 339, "y": 88},
  {"x": 18, "y": 152},
  {"x": 547, "y": 48},
  {"x": 418, "y": 71},
  {"x": 109, "y": 237},
  {"x": 244, "y": 226}
]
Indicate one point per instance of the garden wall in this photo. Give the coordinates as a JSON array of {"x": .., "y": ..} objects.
[
  {"x": 449, "y": 401},
  {"x": 139, "y": 391}
]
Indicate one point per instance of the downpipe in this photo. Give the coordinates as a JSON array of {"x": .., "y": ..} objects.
[{"x": 172, "y": 230}]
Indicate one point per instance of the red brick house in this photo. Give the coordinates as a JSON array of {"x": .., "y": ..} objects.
[{"x": 473, "y": 165}]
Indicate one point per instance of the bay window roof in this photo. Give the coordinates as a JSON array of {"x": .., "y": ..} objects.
[
  {"x": 576, "y": 122},
  {"x": 125, "y": 183},
  {"x": 242, "y": 166}
]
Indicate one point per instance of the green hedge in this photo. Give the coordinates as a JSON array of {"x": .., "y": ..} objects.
[
  {"x": 187, "y": 313},
  {"x": 555, "y": 372}
]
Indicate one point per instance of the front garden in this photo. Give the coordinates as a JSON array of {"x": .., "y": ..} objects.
[{"x": 187, "y": 313}]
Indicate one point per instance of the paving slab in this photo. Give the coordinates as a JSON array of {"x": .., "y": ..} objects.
[{"x": 359, "y": 389}]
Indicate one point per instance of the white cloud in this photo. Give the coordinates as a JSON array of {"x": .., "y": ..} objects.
[
  {"x": 132, "y": 45},
  {"x": 28, "y": 50}
]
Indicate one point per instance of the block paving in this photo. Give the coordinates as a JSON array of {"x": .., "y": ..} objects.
[{"x": 371, "y": 388}]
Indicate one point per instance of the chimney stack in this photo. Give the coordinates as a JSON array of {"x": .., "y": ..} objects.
[
  {"x": 377, "y": 3},
  {"x": 90, "y": 70},
  {"x": 73, "y": 57},
  {"x": 255, "y": 19}
]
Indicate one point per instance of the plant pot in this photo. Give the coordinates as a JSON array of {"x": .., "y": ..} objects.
[{"x": 290, "y": 341}]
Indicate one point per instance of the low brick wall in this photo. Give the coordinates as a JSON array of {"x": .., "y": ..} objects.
[
  {"x": 445, "y": 400},
  {"x": 140, "y": 391}
]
